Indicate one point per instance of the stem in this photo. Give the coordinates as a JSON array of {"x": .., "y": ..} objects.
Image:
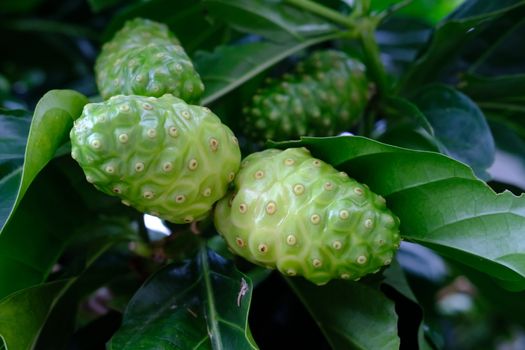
[
  {"x": 372, "y": 54},
  {"x": 323, "y": 11},
  {"x": 212, "y": 317}
]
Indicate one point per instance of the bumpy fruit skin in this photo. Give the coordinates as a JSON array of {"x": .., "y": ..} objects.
[
  {"x": 159, "y": 155},
  {"x": 145, "y": 58},
  {"x": 296, "y": 213},
  {"x": 326, "y": 95}
]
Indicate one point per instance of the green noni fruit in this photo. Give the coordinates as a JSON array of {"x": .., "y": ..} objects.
[
  {"x": 145, "y": 58},
  {"x": 326, "y": 95},
  {"x": 160, "y": 155},
  {"x": 300, "y": 215}
]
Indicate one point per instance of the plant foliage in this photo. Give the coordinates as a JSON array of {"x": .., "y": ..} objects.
[{"x": 442, "y": 139}]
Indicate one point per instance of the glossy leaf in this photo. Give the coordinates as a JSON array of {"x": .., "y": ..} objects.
[
  {"x": 50, "y": 126},
  {"x": 405, "y": 135},
  {"x": 459, "y": 127},
  {"x": 451, "y": 35},
  {"x": 201, "y": 304},
  {"x": 431, "y": 11},
  {"x": 279, "y": 22},
  {"x": 230, "y": 66},
  {"x": 351, "y": 315},
  {"x": 440, "y": 203},
  {"x": 34, "y": 238},
  {"x": 23, "y": 314}
]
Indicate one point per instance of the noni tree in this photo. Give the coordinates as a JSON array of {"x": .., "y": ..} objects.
[{"x": 256, "y": 174}]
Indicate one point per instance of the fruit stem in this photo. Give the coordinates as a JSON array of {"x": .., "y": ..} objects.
[
  {"x": 372, "y": 53},
  {"x": 365, "y": 25},
  {"x": 323, "y": 11}
]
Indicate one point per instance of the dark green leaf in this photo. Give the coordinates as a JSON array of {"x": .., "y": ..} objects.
[
  {"x": 49, "y": 26},
  {"x": 197, "y": 305},
  {"x": 404, "y": 109},
  {"x": 351, "y": 315},
  {"x": 35, "y": 236},
  {"x": 52, "y": 121},
  {"x": 23, "y": 314},
  {"x": 99, "y": 5},
  {"x": 481, "y": 8},
  {"x": 93, "y": 264},
  {"x": 485, "y": 89},
  {"x": 440, "y": 203},
  {"x": 459, "y": 127},
  {"x": 187, "y": 19},
  {"x": 230, "y": 66},
  {"x": 496, "y": 53},
  {"x": 279, "y": 22},
  {"x": 18, "y": 6},
  {"x": 404, "y": 135},
  {"x": 13, "y": 136},
  {"x": 451, "y": 35},
  {"x": 395, "y": 277}
]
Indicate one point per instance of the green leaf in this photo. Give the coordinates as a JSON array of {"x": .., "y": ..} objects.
[
  {"x": 499, "y": 88},
  {"x": 52, "y": 121},
  {"x": 459, "y": 127},
  {"x": 99, "y": 5},
  {"x": 13, "y": 135},
  {"x": 440, "y": 203},
  {"x": 395, "y": 277},
  {"x": 189, "y": 22},
  {"x": 351, "y": 315},
  {"x": 230, "y": 66},
  {"x": 23, "y": 314},
  {"x": 38, "y": 231},
  {"x": 18, "y": 6},
  {"x": 402, "y": 108},
  {"x": 451, "y": 35},
  {"x": 279, "y": 22},
  {"x": 405, "y": 135},
  {"x": 431, "y": 11},
  {"x": 195, "y": 305},
  {"x": 93, "y": 265}
]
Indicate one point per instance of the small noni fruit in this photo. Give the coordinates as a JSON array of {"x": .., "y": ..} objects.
[
  {"x": 326, "y": 95},
  {"x": 145, "y": 58},
  {"x": 291, "y": 211},
  {"x": 159, "y": 155}
]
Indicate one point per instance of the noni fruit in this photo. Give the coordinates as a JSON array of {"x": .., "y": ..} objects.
[
  {"x": 299, "y": 214},
  {"x": 145, "y": 58},
  {"x": 160, "y": 155},
  {"x": 326, "y": 95}
]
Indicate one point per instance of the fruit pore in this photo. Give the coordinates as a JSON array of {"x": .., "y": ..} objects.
[
  {"x": 159, "y": 155},
  {"x": 298, "y": 214}
]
